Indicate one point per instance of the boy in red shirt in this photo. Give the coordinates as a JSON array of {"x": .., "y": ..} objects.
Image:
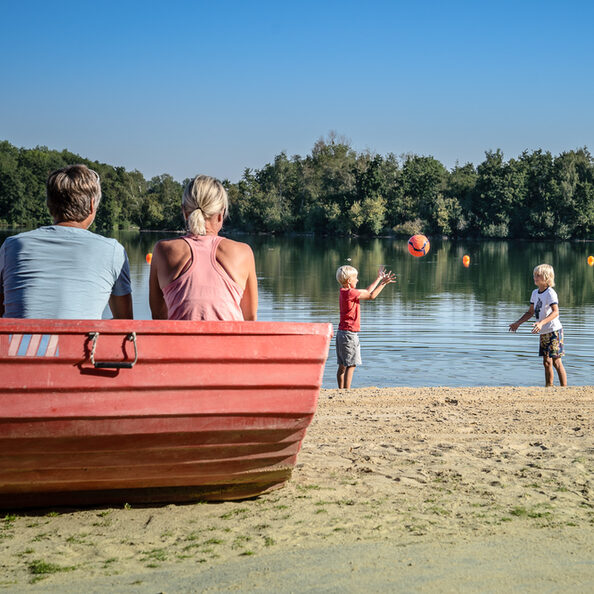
[{"x": 348, "y": 350}]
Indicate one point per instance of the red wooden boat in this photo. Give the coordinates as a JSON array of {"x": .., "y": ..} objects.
[{"x": 115, "y": 411}]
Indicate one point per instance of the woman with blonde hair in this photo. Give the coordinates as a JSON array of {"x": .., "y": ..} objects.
[{"x": 202, "y": 276}]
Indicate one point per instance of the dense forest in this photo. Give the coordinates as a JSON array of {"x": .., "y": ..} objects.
[{"x": 335, "y": 190}]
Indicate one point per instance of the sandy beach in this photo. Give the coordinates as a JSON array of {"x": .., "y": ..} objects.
[{"x": 409, "y": 489}]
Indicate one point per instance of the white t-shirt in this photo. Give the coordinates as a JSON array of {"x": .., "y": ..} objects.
[{"x": 542, "y": 308}]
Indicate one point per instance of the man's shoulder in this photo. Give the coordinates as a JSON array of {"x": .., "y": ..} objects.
[
  {"x": 64, "y": 233},
  {"x": 106, "y": 248},
  {"x": 24, "y": 235},
  {"x": 100, "y": 238},
  {"x": 23, "y": 239},
  {"x": 101, "y": 241}
]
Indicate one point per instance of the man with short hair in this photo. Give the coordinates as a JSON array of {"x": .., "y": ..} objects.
[{"x": 63, "y": 270}]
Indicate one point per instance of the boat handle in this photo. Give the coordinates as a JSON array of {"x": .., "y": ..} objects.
[{"x": 113, "y": 364}]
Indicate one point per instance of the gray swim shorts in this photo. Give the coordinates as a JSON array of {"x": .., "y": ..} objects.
[{"x": 348, "y": 351}]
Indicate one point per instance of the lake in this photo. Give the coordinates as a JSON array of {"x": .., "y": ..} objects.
[{"x": 441, "y": 324}]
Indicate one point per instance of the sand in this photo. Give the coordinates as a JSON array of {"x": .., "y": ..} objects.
[{"x": 408, "y": 489}]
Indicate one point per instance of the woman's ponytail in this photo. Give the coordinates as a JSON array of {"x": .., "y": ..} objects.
[
  {"x": 203, "y": 198},
  {"x": 196, "y": 223}
]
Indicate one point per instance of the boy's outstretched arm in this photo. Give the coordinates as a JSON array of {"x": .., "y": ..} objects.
[
  {"x": 381, "y": 273},
  {"x": 376, "y": 287},
  {"x": 515, "y": 325}
]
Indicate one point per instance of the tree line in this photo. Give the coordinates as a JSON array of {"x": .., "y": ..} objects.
[{"x": 338, "y": 191}]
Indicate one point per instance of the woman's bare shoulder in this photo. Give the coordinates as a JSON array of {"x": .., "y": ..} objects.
[
  {"x": 172, "y": 247},
  {"x": 235, "y": 248},
  {"x": 170, "y": 244}
]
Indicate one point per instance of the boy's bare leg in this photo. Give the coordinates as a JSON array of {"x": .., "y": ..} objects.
[
  {"x": 340, "y": 376},
  {"x": 548, "y": 367},
  {"x": 558, "y": 364},
  {"x": 348, "y": 377}
]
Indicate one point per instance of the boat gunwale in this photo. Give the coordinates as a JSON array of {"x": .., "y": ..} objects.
[{"x": 175, "y": 327}]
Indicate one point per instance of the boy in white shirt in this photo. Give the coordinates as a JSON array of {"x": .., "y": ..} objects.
[{"x": 544, "y": 304}]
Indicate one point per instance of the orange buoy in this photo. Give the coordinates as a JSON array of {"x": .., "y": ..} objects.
[
  {"x": 149, "y": 258},
  {"x": 590, "y": 260},
  {"x": 466, "y": 260}
]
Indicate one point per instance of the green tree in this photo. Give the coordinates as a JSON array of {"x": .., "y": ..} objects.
[
  {"x": 335, "y": 190},
  {"x": 329, "y": 178},
  {"x": 424, "y": 181},
  {"x": 460, "y": 185},
  {"x": 572, "y": 195},
  {"x": 498, "y": 192},
  {"x": 533, "y": 216},
  {"x": 161, "y": 207},
  {"x": 12, "y": 190}
]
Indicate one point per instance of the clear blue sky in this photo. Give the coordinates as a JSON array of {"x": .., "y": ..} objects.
[{"x": 214, "y": 87}]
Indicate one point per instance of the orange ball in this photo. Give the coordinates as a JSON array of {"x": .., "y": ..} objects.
[
  {"x": 149, "y": 258},
  {"x": 590, "y": 260},
  {"x": 418, "y": 245},
  {"x": 466, "y": 260}
]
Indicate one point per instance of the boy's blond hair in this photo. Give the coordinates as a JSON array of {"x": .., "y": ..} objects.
[
  {"x": 546, "y": 272},
  {"x": 344, "y": 274}
]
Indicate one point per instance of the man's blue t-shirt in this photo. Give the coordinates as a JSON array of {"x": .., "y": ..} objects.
[{"x": 61, "y": 272}]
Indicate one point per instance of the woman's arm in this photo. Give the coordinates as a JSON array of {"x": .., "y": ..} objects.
[
  {"x": 156, "y": 299},
  {"x": 249, "y": 300}
]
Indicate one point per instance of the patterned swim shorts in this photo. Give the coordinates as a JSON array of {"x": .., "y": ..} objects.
[{"x": 551, "y": 344}]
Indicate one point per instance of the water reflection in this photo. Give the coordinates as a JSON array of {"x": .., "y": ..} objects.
[
  {"x": 498, "y": 271},
  {"x": 440, "y": 324}
]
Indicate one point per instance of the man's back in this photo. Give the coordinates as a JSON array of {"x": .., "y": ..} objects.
[{"x": 61, "y": 272}]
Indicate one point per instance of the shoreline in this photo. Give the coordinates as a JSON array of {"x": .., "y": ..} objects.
[{"x": 386, "y": 477}]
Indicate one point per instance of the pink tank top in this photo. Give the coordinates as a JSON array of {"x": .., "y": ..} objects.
[{"x": 204, "y": 291}]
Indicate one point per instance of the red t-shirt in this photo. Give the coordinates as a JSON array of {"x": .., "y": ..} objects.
[{"x": 350, "y": 310}]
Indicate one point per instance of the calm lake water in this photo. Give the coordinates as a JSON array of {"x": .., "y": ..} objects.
[{"x": 441, "y": 324}]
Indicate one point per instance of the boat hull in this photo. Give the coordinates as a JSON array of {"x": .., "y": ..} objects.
[{"x": 209, "y": 411}]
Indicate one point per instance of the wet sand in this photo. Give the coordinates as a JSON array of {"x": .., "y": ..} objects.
[{"x": 433, "y": 489}]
